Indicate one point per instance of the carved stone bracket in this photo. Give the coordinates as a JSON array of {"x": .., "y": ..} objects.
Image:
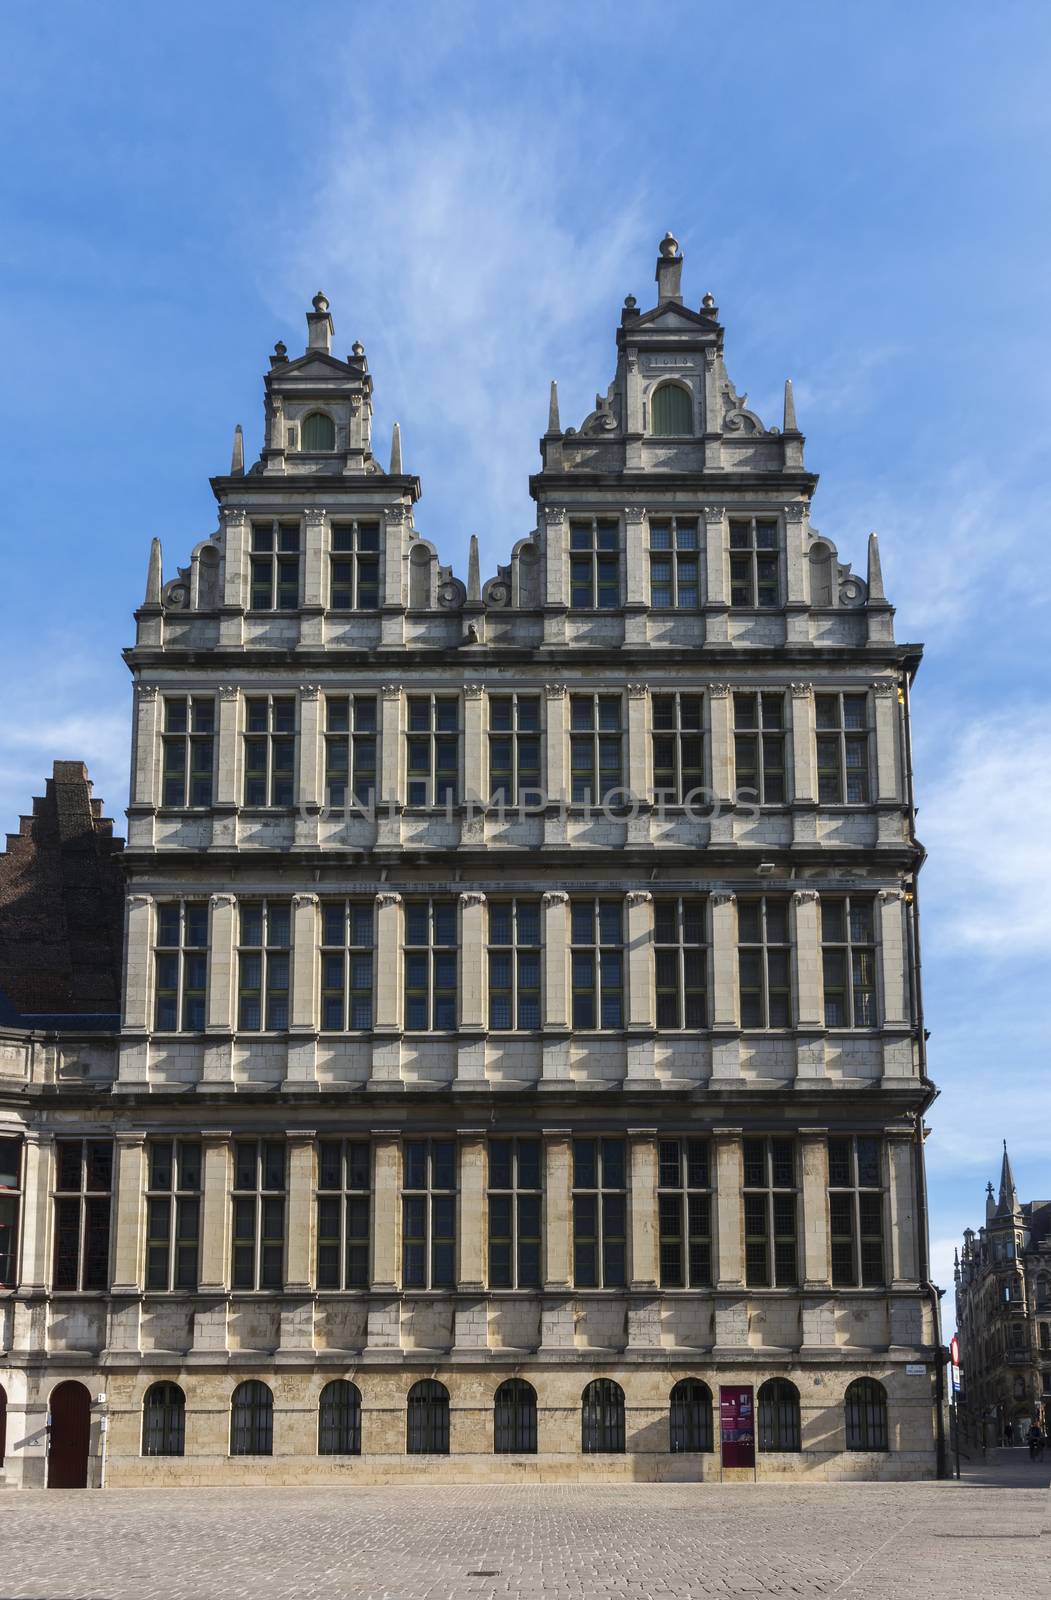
[
  {"x": 802, "y": 691},
  {"x": 638, "y": 691},
  {"x": 724, "y": 897},
  {"x": 885, "y": 688},
  {"x": 555, "y": 691},
  {"x": 796, "y": 511},
  {"x": 472, "y": 897},
  {"x": 719, "y": 691},
  {"x": 138, "y": 900},
  {"x": 714, "y": 514},
  {"x": 304, "y": 899},
  {"x": 554, "y": 513},
  {"x": 473, "y": 691},
  {"x": 234, "y": 514},
  {"x": 635, "y": 514},
  {"x": 639, "y": 897},
  {"x": 229, "y": 691},
  {"x": 388, "y": 897},
  {"x": 149, "y": 691},
  {"x": 892, "y": 894},
  {"x": 805, "y": 896},
  {"x": 391, "y": 691},
  {"x": 218, "y": 900},
  {"x": 310, "y": 691},
  {"x": 394, "y": 514},
  {"x": 555, "y": 897},
  {"x": 315, "y": 513}
]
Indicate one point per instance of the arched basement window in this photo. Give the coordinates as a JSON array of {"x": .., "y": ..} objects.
[{"x": 164, "y": 1420}]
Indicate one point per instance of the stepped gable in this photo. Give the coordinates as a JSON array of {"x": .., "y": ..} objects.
[{"x": 61, "y": 905}]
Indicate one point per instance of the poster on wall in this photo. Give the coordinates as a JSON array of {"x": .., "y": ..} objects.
[{"x": 737, "y": 1426}]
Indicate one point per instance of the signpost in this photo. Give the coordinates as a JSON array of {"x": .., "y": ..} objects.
[
  {"x": 737, "y": 1426},
  {"x": 954, "y": 1367}
]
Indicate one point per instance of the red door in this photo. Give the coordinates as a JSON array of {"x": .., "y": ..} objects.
[
  {"x": 67, "y": 1457},
  {"x": 737, "y": 1423}
]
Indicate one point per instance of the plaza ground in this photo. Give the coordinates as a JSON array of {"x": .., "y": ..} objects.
[{"x": 986, "y": 1538}]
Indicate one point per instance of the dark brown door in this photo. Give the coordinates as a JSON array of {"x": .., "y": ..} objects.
[{"x": 67, "y": 1459}]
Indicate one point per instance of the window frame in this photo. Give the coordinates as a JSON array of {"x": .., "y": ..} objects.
[
  {"x": 352, "y": 1201},
  {"x": 780, "y": 1266},
  {"x": 595, "y": 567},
  {"x": 850, "y": 1191},
  {"x": 254, "y": 1429},
  {"x": 608, "y": 1239},
  {"x": 274, "y": 741},
  {"x": 779, "y": 1423},
  {"x": 765, "y": 991},
  {"x": 603, "y": 1426},
  {"x": 866, "y": 1420},
  {"x": 317, "y": 450},
  {"x": 164, "y": 1434},
  {"x": 677, "y": 951},
  {"x": 341, "y": 1435},
  {"x": 353, "y": 993},
  {"x": 852, "y": 953},
  {"x": 692, "y": 1244},
  {"x": 518, "y": 1237},
  {"x": 190, "y": 744},
  {"x": 353, "y": 774},
  {"x": 270, "y": 953},
  {"x": 752, "y": 553},
  {"x": 833, "y": 743},
  {"x": 664, "y": 386},
  {"x": 357, "y": 556},
  {"x": 433, "y": 952},
  {"x": 90, "y": 1277},
  {"x": 513, "y": 793},
  {"x": 678, "y": 557},
  {"x": 687, "y": 777},
  {"x": 257, "y": 1243},
  {"x": 766, "y": 776},
  {"x": 515, "y": 1418},
  {"x": 271, "y": 548},
  {"x": 436, "y": 780},
  {"x": 594, "y": 791},
  {"x": 605, "y": 955},
  {"x": 427, "y": 1431},
  {"x": 426, "y": 1199},
  {"x": 691, "y": 1428},
  {"x": 188, "y": 956},
  {"x": 167, "y": 1247},
  {"x": 11, "y": 1207},
  {"x": 518, "y": 955}
]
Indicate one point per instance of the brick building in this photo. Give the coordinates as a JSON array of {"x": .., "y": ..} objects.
[
  {"x": 520, "y": 1067},
  {"x": 1003, "y": 1314}
]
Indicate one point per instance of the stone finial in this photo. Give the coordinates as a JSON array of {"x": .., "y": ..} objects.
[
  {"x": 474, "y": 578},
  {"x": 154, "y": 575},
  {"x": 669, "y": 271},
  {"x": 875, "y": 572},
  {"x": 395, "y": 451},
  {"x": 319, "y": 325},
  {"x": 280, "y": 355},
  {"x": 237, "y": 456},
  {"x": 790, "y": 425},
  {"x": 553, "y": 424}
]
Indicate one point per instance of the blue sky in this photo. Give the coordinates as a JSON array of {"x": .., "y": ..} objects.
[{"x": 864, "y": 189}]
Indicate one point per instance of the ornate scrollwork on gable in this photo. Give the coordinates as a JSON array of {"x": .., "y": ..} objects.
[
  {"x": 496, "y": 593},
  {"x": 604, "y": 418},
  {"x": 175, "y": 596},
  {"x": 736, "y": 416}
]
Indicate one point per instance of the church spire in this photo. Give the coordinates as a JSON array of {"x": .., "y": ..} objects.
[{"x": 1008, "y": 1203}]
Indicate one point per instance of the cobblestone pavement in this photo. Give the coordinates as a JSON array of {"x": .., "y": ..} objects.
[{"x": 972, "y": 1541}]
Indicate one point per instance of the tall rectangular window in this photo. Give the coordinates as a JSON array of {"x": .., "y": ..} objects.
[
  {"x": 181, "y": 966},
  {"x": 344, "y": 1183},
  {"x": 275, "y": 566},
  {"x": 10, "y": 1209},
  {"x": 347, "y": 955},
  {"x": 771, "y": 1249},
  {"x": 680, "y": 952},
  {"x": 597, "y": 958},
  {"x": 848, "y": 959},
  {"x": 514, "y": 963},
  {"x": 263, "y": 963},
  {"x": 355, "y": 570},
  {"x": 432, "y": 746},
  {"x": 594, "y": 564},
  {"x": 596, "y": 733},
  {"x": 855, "y": 1204},
  {"x": 83, "y": 1194},
  {"x": 428, "y": 1256},
  {"x": 514, "y": 748},
  {"x": 431, "y": 962},
  {"x": 600, "y": 1255},
  {"x": 764, "y": 952},
  {"x": 270, "y": 750},
  {"x": 173, "y": 1214},
  {"x": 754, "y": 578},
  {"x": 260, "y": 1187},
  {"x": 189, "y": 750},
  {"x": 350, "y": 748},
  {"x": 674, "y": 564},
  {"x": 514, "y": 1213},
  {"x": 678, "y": 746},
  {"x": 842, "y": 748},
  {"x": 759, "y": 746},
  {"x": 684, "y": 1202}
]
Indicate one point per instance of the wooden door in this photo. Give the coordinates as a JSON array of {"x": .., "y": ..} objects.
[{"x": 67, "y": 1458}]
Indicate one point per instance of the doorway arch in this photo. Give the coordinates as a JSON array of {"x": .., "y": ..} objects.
[{"x": 70, "y": 1439}]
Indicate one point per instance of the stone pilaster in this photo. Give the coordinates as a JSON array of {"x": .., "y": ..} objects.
[
  {"x": 725, "y": 997},
  {"x": 558, "y": 1209},
  {"x": 643, "y": 1208},
  {"x": 129, "y": 1213},
  {"x": 146, "y": 738},
  {"x": 887, "y": 752},
  {"x": 555, "y": 740},
  {"x": 386, "y": 1209},
  {"x": 639, "y": 763},
  {"x": 215, "y": 1210},
  {"x": 35, "y": 1243},
  {"x": 639, "y": 957},
  {"x": 138, "y": 947},
  {"x": 311, "y": 780},
  {"x": 901, "y": 1207},
  {"x": 894, "y": 998},
  {"x": 471, "y": 1208},
  {"x": 222, "y": 964},
  {"x": 806, "y": 959},
  {"x": 302, "y": 1212},
  {"x": 813, "y": 1150},
  {"x": 729, "y": 1178},
  {"x": 475, "y": 774},
  {"x": 722, "y": 767},
  {"x": 804, "y": 754},
  {"x": 717, "y": 575},
  {"x": 473, "y": 973},
  {"x": 391, "y": 743}
]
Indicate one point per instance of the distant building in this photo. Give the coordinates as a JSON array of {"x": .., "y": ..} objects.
[
  {"x": 567, "y": 1102},
  {"x": 1003, "y": 1311}
]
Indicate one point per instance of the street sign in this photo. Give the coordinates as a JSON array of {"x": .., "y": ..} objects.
[{"x": 915, "y": 1369}]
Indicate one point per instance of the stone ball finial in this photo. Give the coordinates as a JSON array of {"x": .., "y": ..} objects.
[
  {"x": 709, "y": 301},
  {"x": 357, "y": 348},
  {"x": 280, "y": 348},
  {"x": 319, "y": 302},
  {"x": 669, "y": 246},
  {"x": 630, "y": 301}
]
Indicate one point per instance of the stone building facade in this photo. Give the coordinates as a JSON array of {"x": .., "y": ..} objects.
[
  {"x": 1003, "y": 1314},
  {"x": 521, "y": 1065}
]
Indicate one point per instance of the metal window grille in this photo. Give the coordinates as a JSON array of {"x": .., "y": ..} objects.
[
  {"x": 684, "y": 1208},
  {"x": 771, "y": 1247},
  {"x": 778, "y": 1416},
  {"x": 759, "y": 746},
  {"x": 755, "y": 581},
  {"x": 188, "y": 750},
  {"x": 597, "y": 963},
  {"x": 428, "y": 1419},
  {"x": 344, "y": 1184},
  {"x": 599, "y": 1213},
  {"x": 173, "y": 1204},
  {"x": 164, "y": 1421},
  {"x": 691, "y": 1416},
  {"x": 347, "y": 962},
  {"x": 866, "y": 1415},
  {"x": 429, "y": 1214},
  {"x": 602, "y": 1418},
  {"x": 260, "y": 1182},
  {"x": 514, "y": 964},
  {"x": 252, "y": 1420},
  {"x": 764, "y": 952},
  {"x": 594, "y": 564},
  {"x": 180, "y": 966},
  {"x": 263, "y": 965},
  {"x": 514, "y": 748},
  {"x": 678, "y": 746},
  {"x": 270, "y": 750},
  {"x": 432, "y": 745},
  {"x": 431, "y": 966},
  {"x": 515, "y": 1194},
  {"x": 351, "y": 739},
  {"x": 842, "y": 748},
  {"x": 674, "y": 564},
  {"x": 848, "y": 960},
  {"x": 680, "y": 958},
  {"x": 275, "y": 566},
  {"x": 339, "y": 1419},
  {"x": 514, "y": 1418},
  {"x": 354, "y": 571},
  {"x": 595, "y": 747},
  {"x": 856, "y": 1201},
  {"x": 83, "y": 1195}
]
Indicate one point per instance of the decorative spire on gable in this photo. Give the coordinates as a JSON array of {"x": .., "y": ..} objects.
[
  {"x": 1008, "y": 1201},
  {"x": 237, "y": 456}
]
